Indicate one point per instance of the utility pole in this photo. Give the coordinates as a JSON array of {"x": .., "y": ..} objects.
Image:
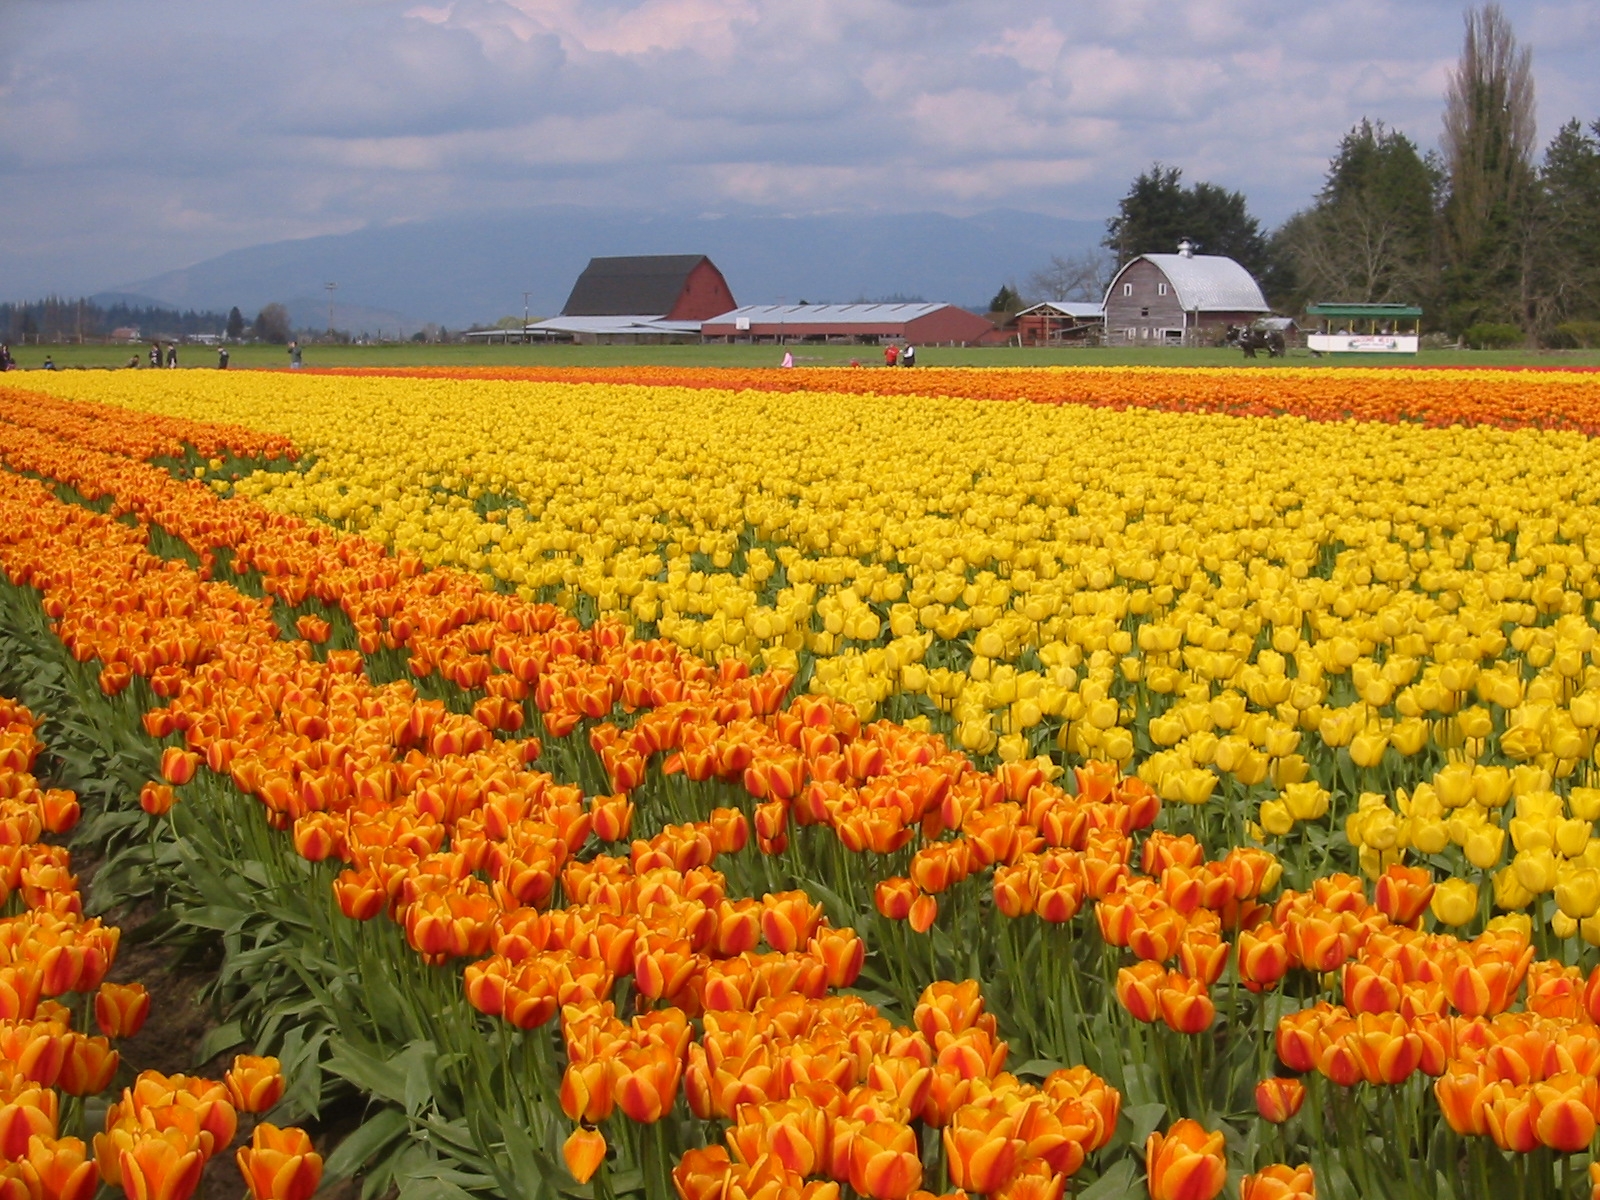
[
  {"x": 525, "y": 296},
  {"x": 331, "y": 288}
]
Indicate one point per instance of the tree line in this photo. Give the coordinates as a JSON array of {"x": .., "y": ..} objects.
[
  {"x": 59, "y": 319},
  {"x": 1496, "y": 241}
]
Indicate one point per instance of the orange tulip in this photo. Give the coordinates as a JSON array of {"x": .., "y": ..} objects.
[
  {"x": 702, "y": 1174},
  {"x": 360, "y": 895},
  {"x": 583, "y": 1152},
  {"x": 1279, "y": 1182},
  {"x": 1565, "y": 1122},
  {"x": 20, "y": 1121},
  {"x": 894, "y": 898},
  {"x": 160, "y": 1168},
  {"x": 587, "y": 1090},
  {"x": 1185, "y": 1163},
  {"x": 788, "y": 920},
  {"x": 254, "y": 1083},
  {"x": 1403, "y": 893},
  {"x": 647, "y": 1083},
  {"x": 1263, "y": 957},
  {"x": 157, "y": 798},
  {"x": 1463, "y": 1097},
  {"x": 1186, "y": 1007},
  {"x": 981, "y": 1149},
  {"x": 61, "y": 1170},
  {"x": 280, "y": 1164},
  {"x": 178, "y": 766},
  {"x": 884, "y": 1163},
  {"x": 120, "y": 1009},
  {"x": 88, "y": 1067},
  {"x": 843, "y": 954},
  {"x": 1138, "y": 989},
  {"x": 1279, "y": 1098}
]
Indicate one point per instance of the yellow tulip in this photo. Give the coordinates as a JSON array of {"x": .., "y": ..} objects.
[
  {"x": 1509, "y": 894},
  {"x": 1536, "y": 870},
  {"x": 1484, "y": 846},
  {"x": 1275, "y": 818},
  {"x": 1578, "y": 892},
  {"x": 1306, "y": 801},
  {"x": 1455, "y": 902}
]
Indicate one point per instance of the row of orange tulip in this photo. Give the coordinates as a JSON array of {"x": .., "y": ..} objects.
[
  {"x": 447, "y": 912},
  {"x": 1510, "y": 399},
  {"x": 263, "y": 710},
  {"x": 159, "y": 1135},
  {"x": 139, "y": 436}
]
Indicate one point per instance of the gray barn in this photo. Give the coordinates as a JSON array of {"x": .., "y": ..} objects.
[{"x": 1171, "y": 299}]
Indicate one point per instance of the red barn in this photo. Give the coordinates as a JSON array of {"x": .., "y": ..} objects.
[{"x": 672, "y": 287}]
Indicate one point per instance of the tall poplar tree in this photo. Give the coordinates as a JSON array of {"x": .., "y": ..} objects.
[{"x": 1489, "y": 133}]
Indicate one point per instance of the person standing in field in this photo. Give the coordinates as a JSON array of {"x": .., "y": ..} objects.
[
  {"x": 222, "y": 358},
  {"x": 155, "y": 354},
  {"x": 294, "y": 355},
  {"x": 172, "y": 355},
  {"x": 908, "y": 356},
  {"x": 891, "y": 353},
  {"x": 788, "y": 359},
  {"x": 5, "y": 357}
]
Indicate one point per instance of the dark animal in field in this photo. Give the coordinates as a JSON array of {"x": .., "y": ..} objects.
[{"x": 1251, "y": 340}]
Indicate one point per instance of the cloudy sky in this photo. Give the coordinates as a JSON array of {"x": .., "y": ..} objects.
[{"x": 142, "y": 135}]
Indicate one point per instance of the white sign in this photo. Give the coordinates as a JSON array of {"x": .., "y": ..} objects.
[
  {"x": 742, "y": 324},
  {"x": 1362, "y": 343}
]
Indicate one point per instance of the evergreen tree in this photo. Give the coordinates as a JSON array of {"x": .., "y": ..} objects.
[
  {"x": 1006, "y": 300},
  {"x": 1159, "y": 212},
  {"x": 235, "y": 328},
  {"x": 1368, "y": 237},
  {"x": 1566, "y": 231},
  {"x": 272, "y": 325}
]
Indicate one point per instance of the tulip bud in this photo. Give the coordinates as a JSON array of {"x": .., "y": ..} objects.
[
  {"x": 1279, "y": 1098},
  {"x": 583, "y": 1152}
]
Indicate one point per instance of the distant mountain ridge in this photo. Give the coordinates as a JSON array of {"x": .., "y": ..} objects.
[{"x": 464, "y": 270}]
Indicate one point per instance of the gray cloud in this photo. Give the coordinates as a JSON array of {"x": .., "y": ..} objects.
[{"x": 137, "y": 135}]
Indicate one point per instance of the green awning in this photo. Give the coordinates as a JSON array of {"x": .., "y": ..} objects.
[{"x": 1362, "y": 312}]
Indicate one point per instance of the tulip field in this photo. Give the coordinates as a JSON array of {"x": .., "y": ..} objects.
[{"x": 807, "y": 785}]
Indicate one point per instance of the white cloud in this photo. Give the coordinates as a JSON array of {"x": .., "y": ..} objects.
[{"x": 137, "y": 134}]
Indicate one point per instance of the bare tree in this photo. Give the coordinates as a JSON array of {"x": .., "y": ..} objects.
[{"x": 1083, "y": 276}]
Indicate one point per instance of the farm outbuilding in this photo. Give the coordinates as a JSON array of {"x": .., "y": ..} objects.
[
  {"x": 867, "y": 324},
  {"x": 1058, "y": 322},
  {"x": 639, "y": 298},
  {"x": 671, "y": 287},
  {"x": 1173, "y": 299}
]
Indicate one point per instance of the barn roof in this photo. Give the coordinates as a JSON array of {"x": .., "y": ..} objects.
[
  {"x": 829, "y": 314},
  {"x": 614, "y": 325},
  {"x": 1208, "y": 282},
  {"x": 1067, "y": 308},
  {"x": 630, "y": 284}
]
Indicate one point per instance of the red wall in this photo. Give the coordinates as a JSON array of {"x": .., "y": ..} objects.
[
  {"x": 949, "y": 324},
  {"x": 705, "y": 295}
]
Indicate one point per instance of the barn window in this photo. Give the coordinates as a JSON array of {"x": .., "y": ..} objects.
[
  {"x": 1144, "y": 312},
  {"x": 1127, "y": 289},
  {"x": 1161, "y": 289}
]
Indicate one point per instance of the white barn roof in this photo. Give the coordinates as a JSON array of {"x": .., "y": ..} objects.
[
  {"x": 614, "y": 325},
  {"x": 1208, "y": 282},
  {"x": 1076, "y": 309},
  {"x": 827, "y": 314}
]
